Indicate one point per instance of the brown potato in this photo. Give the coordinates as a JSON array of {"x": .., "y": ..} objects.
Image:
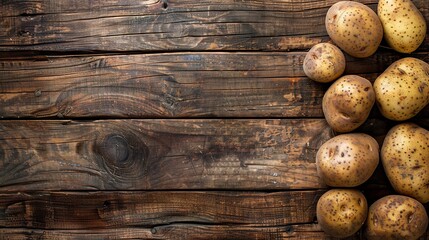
[
  {"x": 348, "y": 102},
  {"x": 402, "y": 90},
  {"x": 354, "y": 27},
  {"x": 347, "y": 160},
  {"x": 324, "y": 63},
  {"x": 341, "y": 212},
  {"x": 404, "y": 25},
  {"x": 396, "y": 217},
  {"x": 405, "y": 158}
]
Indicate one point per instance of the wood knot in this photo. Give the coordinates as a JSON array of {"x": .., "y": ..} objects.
[
  {"x": 123, "y": 156},
  {"x": 115, "y": 149}
]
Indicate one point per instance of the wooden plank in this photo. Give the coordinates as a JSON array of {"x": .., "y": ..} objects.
[
  {"x": 177, "y": 231},
  {"x": 159, "y": 85},
  {"x": 170, "y": 85},
  {"x": 160, "y": 154},
  {"x": 161, "y": 215},
  {"x": 108, "y": 210},
  {"x": 173, "y": 25}
]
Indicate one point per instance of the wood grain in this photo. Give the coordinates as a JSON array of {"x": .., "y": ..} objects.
[
  {"x": 91, "y": 210},
  {"x": 167, "y": 176},
  {"x": 159, "y": 85},
  {"x": 173, "y": 25},
  {"x": 172, "y": 85},
  {"x": 160, "y": 154},
  {"x": 160, "y": 215},
  {"x": 176, "y": 231}
]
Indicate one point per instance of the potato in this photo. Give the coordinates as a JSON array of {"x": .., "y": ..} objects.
[
  {"x": 354, "y": 27},
  {"x": 403, "y": 24},
  {"x": 348, "y": 102},
  {"x": 341, "y": 212},
  {"x": 402, "y": 90},
  {"x": 396, "y": 217},
  {"x": 405, "y": 158},
  {"x": 324, "y": 63},
  {"x": 347, "y": 160}
]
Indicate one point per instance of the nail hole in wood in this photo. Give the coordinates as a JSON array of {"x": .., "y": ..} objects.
[
  {"x": 106, "y": 204},
  {"x": 164, "y": 4},
  {"x": 24, "y": 33},
  {"x": 38, "y": 93}
]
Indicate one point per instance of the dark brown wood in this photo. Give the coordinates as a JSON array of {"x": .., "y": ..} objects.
[
  {"x": 170, "y": 85},
  {"x": 89, "y": 210},
  {"x": 173, "y": 25},
  {"x": 176, "y": 231},
  {"x": 160, "y": 154},
  {"x": 168, "y": 178},
  {"x": 161, "y": 215},
  {"x": 159, "y": 85}
]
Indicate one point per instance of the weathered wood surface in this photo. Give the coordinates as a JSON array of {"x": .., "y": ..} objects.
[
  {"x": 176, "y": 231},
  {"x": 170, "y": 85},
  {"x": 161, "y": 59},
  {"x": 89, "y": 210},
  {"x": 173, "y": 25},
  {"x": 160, "y": 154},
  {"x": 160, "y": 215},
  {"x": 159, "y": 85}
]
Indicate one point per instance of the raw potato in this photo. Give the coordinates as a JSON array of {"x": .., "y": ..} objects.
[
  {"x": 396, "y": 217},
  {"x": 347, "y": 160},
  {"x": 404, "y": 26},
  {"x": 402, "y": 90},
  {"x": 354, "y": 27},
  {"x": 341, "y": 212},
  {"x": 405, "y": 158},
  {"x": 348, "y": 102},
  {"x": 324, "y": 63}
]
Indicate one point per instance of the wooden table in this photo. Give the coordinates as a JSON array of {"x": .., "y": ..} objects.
[{"x": 167, "y": 119}]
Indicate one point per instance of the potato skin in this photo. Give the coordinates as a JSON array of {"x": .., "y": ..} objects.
[
  {"x": 402, "y": 90},
  {"x": 354, "y": 27},
  {"x": 396, "y": 217},
  {"x": 403, "y": 24},
  {"x": 348, "y": 102},
  {"x": 347, "y": 160},
  {"x": 341, "y": 212},
  {"x": 324, "y": 63},
  {"x": 405, "y": 158}
]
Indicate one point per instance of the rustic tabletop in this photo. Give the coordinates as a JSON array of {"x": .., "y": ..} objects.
[{"x": 168, "y": 119}]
